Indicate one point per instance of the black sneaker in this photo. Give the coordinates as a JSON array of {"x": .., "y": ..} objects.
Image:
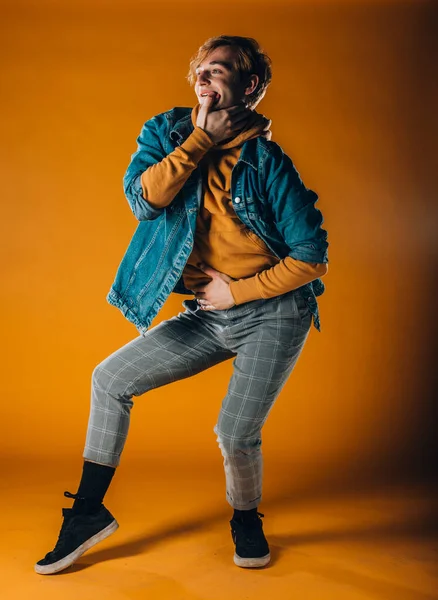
[
  {"x": 252, "y": 549},
  {"x": 79, "y": 532}
]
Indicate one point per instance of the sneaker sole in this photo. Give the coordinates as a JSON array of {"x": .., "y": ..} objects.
[
  {"x": 259, "y": 561},
  {"x": 73, "y": 556}
]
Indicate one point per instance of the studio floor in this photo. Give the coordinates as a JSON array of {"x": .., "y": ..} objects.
[{"x": 174, "y": 541}]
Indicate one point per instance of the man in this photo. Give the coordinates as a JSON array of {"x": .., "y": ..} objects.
[{"x": 225, "y": 216}]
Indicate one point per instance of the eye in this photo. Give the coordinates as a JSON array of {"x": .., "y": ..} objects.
[{"x": 215, "y": 71}]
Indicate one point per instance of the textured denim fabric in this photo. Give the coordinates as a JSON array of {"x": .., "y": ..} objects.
[{"x": 268, "y": 196}]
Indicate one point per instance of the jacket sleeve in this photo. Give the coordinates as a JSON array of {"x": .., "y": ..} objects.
[
  {"x": 153, "y": 178},
  {"x": 293, "y": 205}
]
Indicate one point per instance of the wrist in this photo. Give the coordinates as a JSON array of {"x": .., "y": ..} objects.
[{"x": 210, "y": 135}]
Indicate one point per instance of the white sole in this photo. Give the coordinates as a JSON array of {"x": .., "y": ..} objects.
[
  {"x": 260, "y": 561},
  {"x": 73, "y": 556}
]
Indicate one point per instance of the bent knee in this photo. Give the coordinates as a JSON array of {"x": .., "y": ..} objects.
[
  {"x": 238, "y": 446},
  {"x": 110, "y": 380}
]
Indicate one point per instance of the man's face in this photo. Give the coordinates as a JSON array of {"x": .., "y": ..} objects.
[{"x": 217, "y": 74}]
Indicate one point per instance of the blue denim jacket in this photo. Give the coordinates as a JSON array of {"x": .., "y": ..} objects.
[{"x": 267, "y": 194}]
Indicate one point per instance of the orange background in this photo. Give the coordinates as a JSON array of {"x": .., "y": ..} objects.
[
  {"x": 349, "y": 446},
  {"x": 351, "y": 102}
]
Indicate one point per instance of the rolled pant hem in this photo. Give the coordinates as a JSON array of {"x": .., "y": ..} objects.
[
  {"x": 101, "y": 459},
  {"x": 248, "y": 506}
]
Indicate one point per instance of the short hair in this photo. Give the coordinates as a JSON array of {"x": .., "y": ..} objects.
[{"x": 250, "y": 59}]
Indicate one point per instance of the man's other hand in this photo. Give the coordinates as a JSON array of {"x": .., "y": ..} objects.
[{"x": 215, "y": 295}]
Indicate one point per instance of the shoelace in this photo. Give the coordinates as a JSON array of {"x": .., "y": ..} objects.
[
  {"x": 66, "y": 526},
  {"x": 256, "y": 519},
  {"x": 67, "y": 523},
  {"x": 248, "y": 527},
  {"x": 74, "y": 496}
]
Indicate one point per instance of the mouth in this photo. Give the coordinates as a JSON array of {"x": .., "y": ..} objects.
[{"x": 216, "y": 96}]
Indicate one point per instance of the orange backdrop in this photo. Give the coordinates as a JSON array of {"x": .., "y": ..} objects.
[{"x": 350, "y": 102}]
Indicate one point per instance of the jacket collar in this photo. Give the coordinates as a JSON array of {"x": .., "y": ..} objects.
[{"x": 183, "y": 127}]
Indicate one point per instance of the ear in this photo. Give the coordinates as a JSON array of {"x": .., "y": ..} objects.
[{"x": 252, "y": 84}]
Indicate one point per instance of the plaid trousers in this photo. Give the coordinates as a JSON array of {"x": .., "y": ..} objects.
[{"x": 265, "y": 337}]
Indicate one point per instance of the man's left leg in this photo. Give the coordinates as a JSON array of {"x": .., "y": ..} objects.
[{"x": 268, "y": 341}]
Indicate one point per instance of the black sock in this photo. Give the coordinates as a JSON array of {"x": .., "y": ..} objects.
[
  {"x": 244, "y": 515},
  {"x": 93, "y": 486}
]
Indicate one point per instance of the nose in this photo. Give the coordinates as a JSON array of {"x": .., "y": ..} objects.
[{"x": 201, "y": 76}]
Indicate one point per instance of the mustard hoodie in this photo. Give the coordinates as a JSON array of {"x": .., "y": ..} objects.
[{"x": 221, "y": 240}]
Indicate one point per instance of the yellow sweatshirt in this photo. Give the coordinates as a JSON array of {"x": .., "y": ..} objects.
[{"x": 222, "y": 241}]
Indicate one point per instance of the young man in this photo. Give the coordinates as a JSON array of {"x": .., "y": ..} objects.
[{"x": 225, "y": 216}]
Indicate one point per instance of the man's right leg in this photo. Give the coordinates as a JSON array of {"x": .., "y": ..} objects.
[{"x": 175, "y": 349}]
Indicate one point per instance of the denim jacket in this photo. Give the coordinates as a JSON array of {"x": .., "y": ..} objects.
[{"x": 267, "y": 194}]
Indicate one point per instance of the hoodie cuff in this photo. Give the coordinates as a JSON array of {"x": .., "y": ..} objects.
[
  {"x": 197, "y": 144},
  {"x": 245, "y": 290}
]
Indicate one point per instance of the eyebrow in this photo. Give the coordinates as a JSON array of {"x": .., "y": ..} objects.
[{"x": 227, "y": 65}]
